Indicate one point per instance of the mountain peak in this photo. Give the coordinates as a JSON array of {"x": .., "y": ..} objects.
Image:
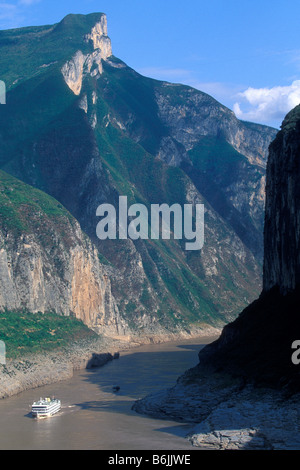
[
  {"x": 98, "y": 31},
  {"x": 74, "y": 69},
  {"x": 93, "y": 27},
  {"x": 98, "y": 36},
  {"x": 291, "y": 120},
  {"x": 54, "y": 45},
  {"x": 72, "y": 20}
]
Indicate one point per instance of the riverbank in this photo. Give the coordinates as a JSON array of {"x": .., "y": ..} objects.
[
  {"x": 227, "y": 414},
  {"x": 36, "y": 370},
  {"x": 94, "y": 416}
]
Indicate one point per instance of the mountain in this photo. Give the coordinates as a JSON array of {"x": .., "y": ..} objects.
[
  {"x": 281, "y": 240},
  {"x": 84, "y": 128},
  {"x": 258, "y": 345},
  {"x": 244, "y": 392},
  {"x": 47, "y": 264}
]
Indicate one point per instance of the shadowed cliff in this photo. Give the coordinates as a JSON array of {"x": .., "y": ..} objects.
[{"x": 257, "y": 346}]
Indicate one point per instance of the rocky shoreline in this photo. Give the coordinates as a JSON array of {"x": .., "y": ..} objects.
[
  {"x": 36, "y": 370},
  {"x": 228, "y": 415}
]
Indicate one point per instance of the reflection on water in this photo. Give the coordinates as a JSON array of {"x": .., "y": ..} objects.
[{"x": 94, "y": 415}]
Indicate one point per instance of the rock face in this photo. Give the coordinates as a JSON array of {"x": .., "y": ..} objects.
[
  {"x": 282, "y": 222},
  {"x": 99, "y": 37},
  {"x": 224, "y": 157},
  {"x": 47, "y": 264},
  {"x": 75, "y": 69},
  {"x": 227, "y": 416},
  {"x": 91, "y": 129},
  {"x": 73, "y": 72},
  {"x": 198, "y": 115},
  {"x": 257, "y": 345},
  {"x": 245, "y": 391}
]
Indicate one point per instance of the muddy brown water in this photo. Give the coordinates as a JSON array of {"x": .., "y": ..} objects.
[{"x": 93, "y": 415}]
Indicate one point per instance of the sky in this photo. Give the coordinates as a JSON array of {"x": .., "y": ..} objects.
[{"x": 244, "y": 53}]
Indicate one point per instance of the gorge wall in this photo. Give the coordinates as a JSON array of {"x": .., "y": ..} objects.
[
  {"x": 244, "y": 392},
  {"x": 282, "y": 215},
  {"x": 246, "y": 383},
  {"x": 257, "y": 346},
  {"x": 47, "y": 264},
  {"x": 82, "y": 126}
]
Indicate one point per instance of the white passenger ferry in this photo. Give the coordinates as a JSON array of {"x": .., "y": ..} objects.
[{"x": 45, "y": 407}]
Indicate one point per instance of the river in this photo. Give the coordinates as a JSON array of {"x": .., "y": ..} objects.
[{"x": 93, "y": 416}]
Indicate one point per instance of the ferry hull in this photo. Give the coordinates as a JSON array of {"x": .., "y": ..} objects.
[
  {"x": 38, "y": 415},
  {"x": 45, "y": 408}
]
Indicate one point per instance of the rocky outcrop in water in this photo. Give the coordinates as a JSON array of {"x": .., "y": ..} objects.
[{"x": 226, "y": 415}]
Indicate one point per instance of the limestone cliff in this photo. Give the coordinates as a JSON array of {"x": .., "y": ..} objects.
[
  {"x": 244, "y": 392},
  {"x": 257, "y": 346},
  {"x": 224, "y": 157},
  {"x": 232, "y": 181},
  {"x": 47, "y": 263},
  {"x": 105, "y": 131},
  {"x": 74, "y": 70}
]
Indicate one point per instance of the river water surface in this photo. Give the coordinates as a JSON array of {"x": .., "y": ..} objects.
[{"x": 93, "y": 416}]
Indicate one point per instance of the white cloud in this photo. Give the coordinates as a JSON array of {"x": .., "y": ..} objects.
[{"x": 267, "y": 105}]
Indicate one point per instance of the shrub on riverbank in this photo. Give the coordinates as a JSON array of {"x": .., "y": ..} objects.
[{"x": 25, "y": 332}]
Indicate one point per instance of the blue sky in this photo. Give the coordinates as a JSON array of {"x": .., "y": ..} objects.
[{"x": 244, "y": 53}]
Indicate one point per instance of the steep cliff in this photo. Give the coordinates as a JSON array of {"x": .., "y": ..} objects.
[
  {"x": 75, "y": 69},
  {"x": 47, "y": 264},
  {"x": 258, "y": 344},
  {"x": 82, "y": 126},
  {"x": 244, "y": 392},
  {"x": 282, "y": 219}
]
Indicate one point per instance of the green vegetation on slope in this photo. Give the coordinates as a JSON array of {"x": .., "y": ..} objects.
[
  {"x": 217, "y": 156},
  {"x": 29, "y": 52},
  {"x": 25, "y": 332},
  {"x": 147, "y": 180},
  {"x": 24, "y": 208},
  {"x": 47, "y": 140}
]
